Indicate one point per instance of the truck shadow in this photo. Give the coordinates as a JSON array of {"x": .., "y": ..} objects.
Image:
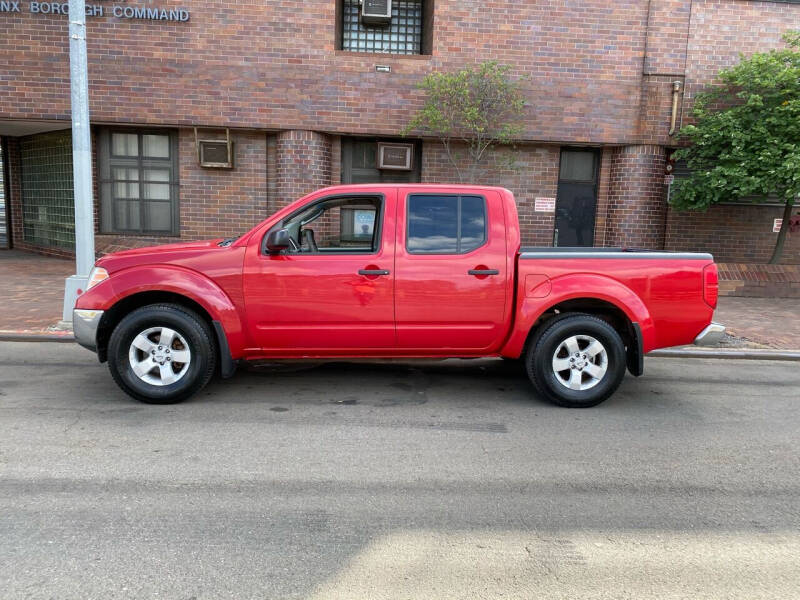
[{"x": 377, "y": 383}]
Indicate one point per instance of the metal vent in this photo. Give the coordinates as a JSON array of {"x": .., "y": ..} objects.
[
  {"x": 376, "y": 11},
  {"x": 215, "y": 153},
  {"x": 398, "y": 157}
]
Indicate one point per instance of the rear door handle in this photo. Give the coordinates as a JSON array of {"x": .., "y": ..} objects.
[
  {"x": 373, "y": 271},
  {"x": 483, "y": 272}
]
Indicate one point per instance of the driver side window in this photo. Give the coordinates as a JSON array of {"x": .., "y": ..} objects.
[{"x": 336, "y": 226}]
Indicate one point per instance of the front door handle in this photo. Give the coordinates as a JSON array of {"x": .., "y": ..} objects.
[
  {"x": 373, "y": 271},
  {"x": 483, "y": 272}
]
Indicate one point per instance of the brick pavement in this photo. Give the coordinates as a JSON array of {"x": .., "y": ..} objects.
[
  {"x": 765, "y": 322},
  {"x": 33, "y": 290},
  {"x": 33, "y": 287}
]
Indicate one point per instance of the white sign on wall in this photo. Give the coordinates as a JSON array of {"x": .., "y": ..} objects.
[
  {"x": 776, "y": 225},
  {"x": 544, "y": 205}
]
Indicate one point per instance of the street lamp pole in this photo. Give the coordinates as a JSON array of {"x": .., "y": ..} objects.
[{"x": 81, "y": 156}]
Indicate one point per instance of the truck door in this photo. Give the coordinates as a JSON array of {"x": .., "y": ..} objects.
[
  {"x": 450, "y": 271},
  {"x": 332, "y": 292}
]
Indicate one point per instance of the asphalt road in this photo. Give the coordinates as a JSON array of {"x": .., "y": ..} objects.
[{"x": 447, "y": 480}]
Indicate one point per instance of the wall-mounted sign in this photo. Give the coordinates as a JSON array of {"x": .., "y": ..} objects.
[
  {"x": 120, "y": 11},
  {"x": 544, "y": 205},
  {"x": 776, "y": 225}
]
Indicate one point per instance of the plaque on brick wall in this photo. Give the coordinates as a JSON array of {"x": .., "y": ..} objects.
[
  {"x": 397, "y": 157},
  {"x": 544, "y": 205},
  {"x": 776, "y": 225}
]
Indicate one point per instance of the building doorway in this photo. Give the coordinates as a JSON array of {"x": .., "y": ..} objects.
[{"x": 576, "y": 199}]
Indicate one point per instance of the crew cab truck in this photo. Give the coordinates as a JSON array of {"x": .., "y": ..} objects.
[{"x": 392, "y": 271}]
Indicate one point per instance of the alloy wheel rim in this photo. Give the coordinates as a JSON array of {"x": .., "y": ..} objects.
[
  {"x": 159, "y": 356},
  {"x": 580, "y": 362}
]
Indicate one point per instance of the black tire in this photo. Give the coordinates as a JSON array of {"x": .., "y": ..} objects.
[
  {"x": 192, "y": 328},
  {"x": 542, "y": 350}
]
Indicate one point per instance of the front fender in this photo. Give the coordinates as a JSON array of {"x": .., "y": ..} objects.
[
  {"x": 174, "y": 279},
  {"x": 573, "y": 287}
]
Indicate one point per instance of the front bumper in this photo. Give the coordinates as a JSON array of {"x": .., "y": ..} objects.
[
  {"x": 710, "y": 335},
  {"x": 84, "y": 324}
]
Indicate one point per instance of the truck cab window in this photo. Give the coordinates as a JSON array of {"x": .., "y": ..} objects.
[
  {"x": 445, "y": 224},
  {"x": 338, "y": 225}
]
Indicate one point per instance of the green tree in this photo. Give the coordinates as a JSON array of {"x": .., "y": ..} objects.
[
  {"x": 470, "y": 111},
  {"x": 745, "y": 141}
]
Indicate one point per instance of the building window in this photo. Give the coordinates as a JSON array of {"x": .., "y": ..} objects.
[
  {"x": 360, "y": 163},
  {"x": 445, "y": 224},
  {"x": 139, "y": 181},
  {"x": 408, "y": 31},
  {"x": 48, "y": 210}
]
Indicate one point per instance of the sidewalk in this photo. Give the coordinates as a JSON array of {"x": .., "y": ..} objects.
[{"x": 34, "y": 294}]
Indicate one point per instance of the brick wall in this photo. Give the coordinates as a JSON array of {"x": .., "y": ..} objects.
[
  {"x": 303, "y": 164},
  {"x": 637, "y": 207},
  {"x": 731, "y": 233},
  {"x": 596, "y": 73},
  {"x": 213, "y": 202},
  {"x": 274, "y": 65},
  {"x": 529, "y": 171},
  {"x": 722, "y": 29}
]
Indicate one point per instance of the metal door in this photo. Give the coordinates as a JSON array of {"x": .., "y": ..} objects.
[{"x": 576, "y": 201}]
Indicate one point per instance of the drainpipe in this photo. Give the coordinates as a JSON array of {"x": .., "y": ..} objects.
[{"x": 676, "y": 93}]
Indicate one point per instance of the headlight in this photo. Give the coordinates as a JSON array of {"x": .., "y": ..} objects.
[{"x": 96, "y": 275}]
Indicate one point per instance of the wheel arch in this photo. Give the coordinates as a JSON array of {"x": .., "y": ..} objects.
[
  {"x": 629, "y": 330},
  {"x": 596, "y": 295},
  {"x": 126, "y": 305}
]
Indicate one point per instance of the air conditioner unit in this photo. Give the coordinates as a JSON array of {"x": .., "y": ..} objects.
[
  {"x": 395, "y": 157},
  {"x": 376, "y": 12},
  {"x": 215, "y": 153}
]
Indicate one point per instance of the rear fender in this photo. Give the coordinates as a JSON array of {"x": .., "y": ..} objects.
[
  {"x": 173, "y": 279},
  {"x": 573, "y": 287}
]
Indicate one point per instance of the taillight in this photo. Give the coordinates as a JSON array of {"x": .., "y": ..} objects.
[{"x": 710, "y": 285}]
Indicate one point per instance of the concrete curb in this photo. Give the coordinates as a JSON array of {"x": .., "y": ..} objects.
[
  {"x": 791, "y": 355},
  {"x": 716, "y": 353},
  {"x": 36, "y": 336}
]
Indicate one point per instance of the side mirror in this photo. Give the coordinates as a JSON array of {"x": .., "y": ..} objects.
[{"x": 277, "y": 240}]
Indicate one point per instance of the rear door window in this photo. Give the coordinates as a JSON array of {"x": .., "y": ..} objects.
[{"x": 445, "y": 224}]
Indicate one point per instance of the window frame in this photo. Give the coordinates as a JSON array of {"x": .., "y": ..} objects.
[
  {"x": 426, "y": 34},
  {"x": 108, "y": 161},
  {"x": 377, "y": 228},
  {"x": 458, "y": 221}
]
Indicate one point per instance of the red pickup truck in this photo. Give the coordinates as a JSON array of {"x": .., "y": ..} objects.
[{"x": 392, "y": 271}]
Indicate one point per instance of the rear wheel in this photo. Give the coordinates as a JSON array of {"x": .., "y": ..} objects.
[
  {"x": 577, "y": 362},
  {"x": 161, "y": 354}
]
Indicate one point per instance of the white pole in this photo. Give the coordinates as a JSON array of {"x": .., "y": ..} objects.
[{"x": 81, "y": 156}]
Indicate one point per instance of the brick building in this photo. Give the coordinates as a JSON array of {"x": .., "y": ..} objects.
[{"x": 306, "y": 91}]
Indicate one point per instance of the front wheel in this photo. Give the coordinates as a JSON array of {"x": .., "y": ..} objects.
[
  {"x": 577, "y": 362},
  {"x": 161, "y": 354}
]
